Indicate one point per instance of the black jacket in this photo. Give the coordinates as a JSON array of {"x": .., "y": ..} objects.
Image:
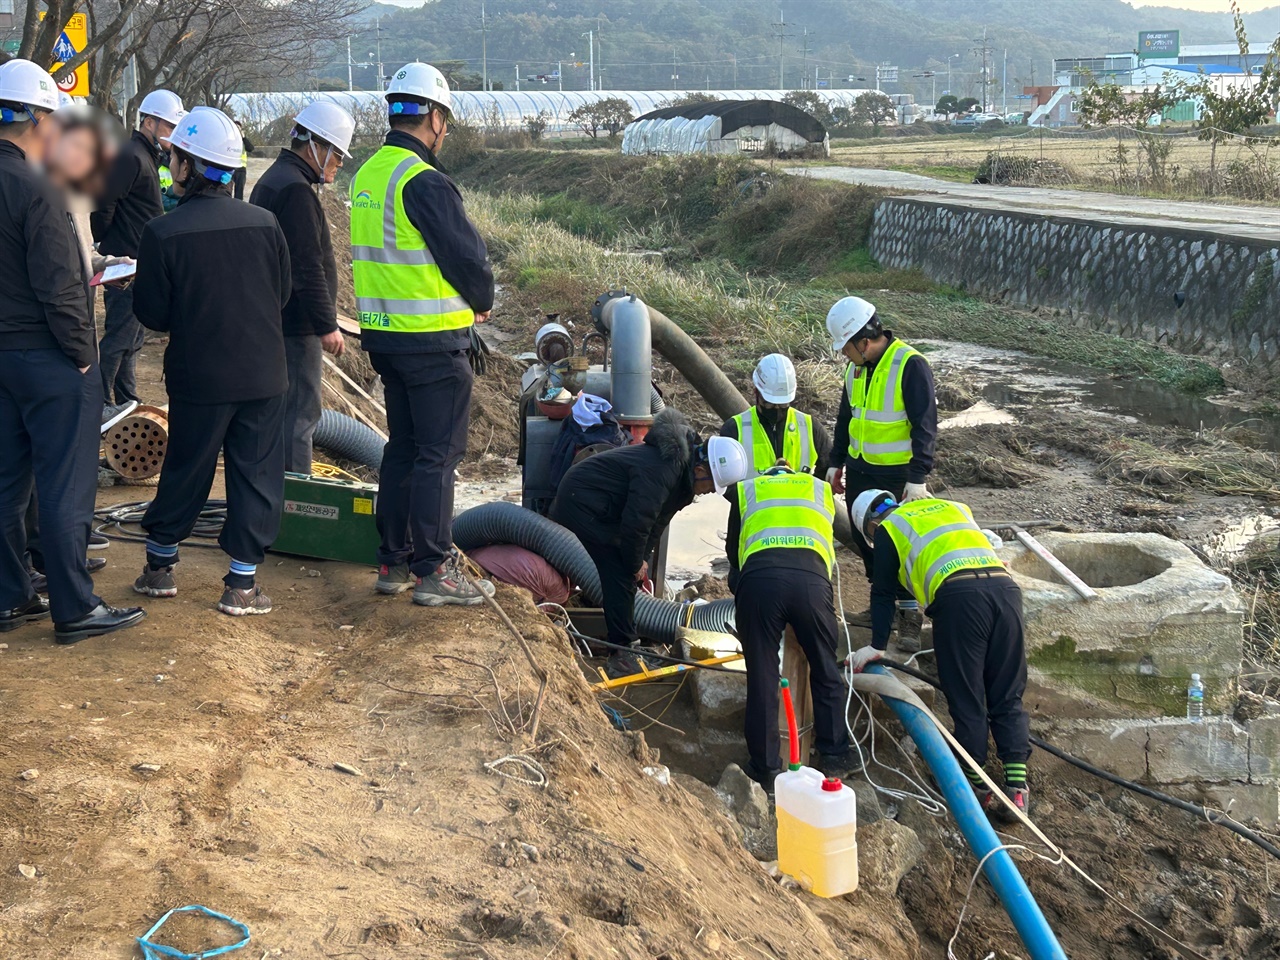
[
  {"x": 130, "y": 199},
  {"x": 627, "y": 496},
  {"x": 922, "y": 410},
  {"x": 44, "y": 300},
  {"x": 214, "y": 274},
  {"x": 287, "y": 189},
  {"x": 433, "y": 204}
]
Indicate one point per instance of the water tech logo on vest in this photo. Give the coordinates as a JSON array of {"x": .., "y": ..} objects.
[{"x": 364, "y": 201}]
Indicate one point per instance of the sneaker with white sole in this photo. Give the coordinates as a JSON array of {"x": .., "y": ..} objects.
[
  {"x": 446, "y": 586},
  {"x": 156, "y": 583},
  {"x": 113, "y": 413},
  {"x": 393, "y": 580},
  {"x": 240, "y": 603},
  {"x": 98, "y": 542}
]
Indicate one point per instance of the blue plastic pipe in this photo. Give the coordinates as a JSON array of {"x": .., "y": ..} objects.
[{"x": 1012, "y": 890}]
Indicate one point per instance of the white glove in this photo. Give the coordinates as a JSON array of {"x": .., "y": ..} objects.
[
  {"x": 864, "y": 656},
  {"x": 915, "y": 491},
  {"x": 835, "y": 477}
]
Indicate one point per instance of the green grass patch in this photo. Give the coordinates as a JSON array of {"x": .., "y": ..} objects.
[
  {"x": 954, "y": 173},
  {"x": 579, "y": 217}
]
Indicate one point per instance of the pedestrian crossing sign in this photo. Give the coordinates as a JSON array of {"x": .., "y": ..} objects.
[{"x": 73, "y": 39}]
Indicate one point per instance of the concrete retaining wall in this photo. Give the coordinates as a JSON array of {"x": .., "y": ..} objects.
[{"x": 1121, "y": 278}]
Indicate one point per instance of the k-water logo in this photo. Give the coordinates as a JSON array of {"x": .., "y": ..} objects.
[{"x": 364, "y": 201}]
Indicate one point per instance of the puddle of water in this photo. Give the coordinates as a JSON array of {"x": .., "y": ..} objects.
[
  {"x": 1015, "y": 379},
  {"x": 1238, "y": 538},
  {"x": 696, "y": 539}
]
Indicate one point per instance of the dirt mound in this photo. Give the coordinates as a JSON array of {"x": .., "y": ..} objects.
[{"x": 412, "y": 848}]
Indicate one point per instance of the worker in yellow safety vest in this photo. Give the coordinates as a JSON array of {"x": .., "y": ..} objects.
[
  {"x": 781, "y": 551},
  {"x": 885, "y": 429},
  {"x": 772, "y": 430},
  {"x": 934, "y": 549},
  {"x": 422, "y": 279}
]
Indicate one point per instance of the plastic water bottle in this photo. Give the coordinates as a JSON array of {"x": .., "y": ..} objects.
[{"x": 1195, "y": 699}]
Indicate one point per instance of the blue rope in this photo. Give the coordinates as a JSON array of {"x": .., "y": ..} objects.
[{"x": 154, "y": 951}]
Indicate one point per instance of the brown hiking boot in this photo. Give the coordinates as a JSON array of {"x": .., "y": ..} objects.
[{"x": 910, "y": 622}]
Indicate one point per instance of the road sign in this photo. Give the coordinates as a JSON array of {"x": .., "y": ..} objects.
[
  {"x": 73, "y": 39},
  {"x": 1158, "y": 44}
]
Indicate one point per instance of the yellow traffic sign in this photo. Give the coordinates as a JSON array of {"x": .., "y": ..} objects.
[{"x": 74, "y": 38}]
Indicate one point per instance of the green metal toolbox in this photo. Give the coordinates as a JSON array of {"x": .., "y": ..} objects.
[{"x": 328, "y": 519}]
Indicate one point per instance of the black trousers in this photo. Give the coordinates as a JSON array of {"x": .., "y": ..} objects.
[
  {"x": 618, "y": 585},
  {"x": 982, "y": 663},
  {"x": 249, "y": 438},
  {"x": 50, "y": 417},
  {"x": 118, "y": 351},
  {"x": 304, "y": 361},
  {"x": 428, "y": 398},
  {"x": 767, "y": 600}
]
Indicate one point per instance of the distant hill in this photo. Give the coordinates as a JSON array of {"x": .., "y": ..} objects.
[{"x": 644, "y": 43}]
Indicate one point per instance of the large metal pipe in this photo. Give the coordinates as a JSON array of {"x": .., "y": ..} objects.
[
  {"x": 678, "y": 349},
  {"x": 631, "y": 351}
]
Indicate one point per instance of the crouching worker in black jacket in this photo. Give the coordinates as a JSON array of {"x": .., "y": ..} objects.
[
  {"x": 619, "y": 502},
  {"x": 215, "y": 275}
]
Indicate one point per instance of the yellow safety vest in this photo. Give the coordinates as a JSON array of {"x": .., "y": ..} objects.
[
  {"x": 786, "y": 510},
  {"x": 936, "y": 538},
  {"x": 879, "y": 431},
  {"x": 798, "y": 448},
  {"x": 399, "y": 288}
]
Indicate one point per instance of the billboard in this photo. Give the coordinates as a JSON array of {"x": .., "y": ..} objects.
[{"x": 1158, "y": 43}]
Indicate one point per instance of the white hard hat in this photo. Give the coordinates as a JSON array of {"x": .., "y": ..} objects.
[
  {"x": 775, "y": 378},
  {"x": 167, "y": 140},
  {"x": 65, "y": 100},
  {"x": 868, "y": 505},
  {"x": 209, "y": 135},
  {"x": 420, "y": 80},
  {"x": 329, "y": 122},
  {"x": 847, "y": 317},
  {"x": 728, "y": 462},
  {"x": 162, "y": 104},
  {"x": 21, "y": 81}
]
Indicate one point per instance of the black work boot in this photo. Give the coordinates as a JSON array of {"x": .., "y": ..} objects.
[{"x": 910, "y": 623}]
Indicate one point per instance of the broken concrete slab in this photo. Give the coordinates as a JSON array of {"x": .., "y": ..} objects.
[
  {"x": 1119, "y": 746},
  {"x": 1182, "y": 751},
  {"x": 749, "y": 804},
  {"x": 1264, "y": 749},
  {"x": 1160, "y": 615},
  {"x": 1242, "y": 801},
  {"x": 720, "y": 696},
  {"x": 887, "y": 852}
]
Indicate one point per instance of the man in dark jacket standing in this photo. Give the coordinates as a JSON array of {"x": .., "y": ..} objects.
[
  {"x": 620, "y": 501},
  {"x": 214, "y": 274},
  {"x": 288, "y": 189},
  {"x": 50, "y": 395},
  {"x": 422, "y": 279},
  {"x": 130, "y": 199}
]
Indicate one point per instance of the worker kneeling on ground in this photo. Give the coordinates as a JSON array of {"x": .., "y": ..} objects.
[
  {"x": 934, "y": 549},
  {"x": 781, "y": 551},
  {"x": 773, "y": 431},
  {"x": 620, "y": 501},
  {"x": 885, "y": 430},
  {"x": 214, "y": 274}
]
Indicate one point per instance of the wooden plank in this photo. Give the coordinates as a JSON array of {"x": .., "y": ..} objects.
[
  {"x": 354, "y": 386},
  {"x": 795, "y": 667},
  {"x": 1061, "y": 569},
  {"x": 356, "y": 411}
]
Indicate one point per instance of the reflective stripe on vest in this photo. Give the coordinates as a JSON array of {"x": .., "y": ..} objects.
[
  {"x": 936, "y": 538},
  {"x": 879, "y": 431},
  {"x": 399, "y": 287},
  {"x": 798, "y": 448},
  {"x": 792, "y": 510}
]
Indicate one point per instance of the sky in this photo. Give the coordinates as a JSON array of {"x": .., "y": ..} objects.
[{"x": 1205, "y": 6}]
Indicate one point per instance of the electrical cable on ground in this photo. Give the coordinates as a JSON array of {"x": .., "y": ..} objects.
[
  {"x": 112, "y": 521},
  {"x": 649, "y": 653},
  {"x": 1216, "y": 817}
]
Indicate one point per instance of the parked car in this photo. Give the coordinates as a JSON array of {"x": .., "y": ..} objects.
[
  {"x": 1013, "y": 119},
  {"x": 964, "y": 120}
]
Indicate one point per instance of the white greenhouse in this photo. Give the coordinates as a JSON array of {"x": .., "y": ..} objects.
[
  {"x": 726, "y": 126},
  {"x": 507, "y": 108}
]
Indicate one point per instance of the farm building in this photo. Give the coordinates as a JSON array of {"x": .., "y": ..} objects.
[{"x": 726, "y": 126}]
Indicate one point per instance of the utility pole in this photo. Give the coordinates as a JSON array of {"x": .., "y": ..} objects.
[
  {"x": 735, "y": 70},
  {"x": 381, "y": 85},
  {"x": 984, "y": 49},
  {"x": 600, "y": 64},
  {"x": 675, "y": 72},
  {"x": 351, "y": 85},
  {"x": 517, "y": 78},
  {"x": 560, "y": 75},
  {"x": 591, "y": 54},
  {"x": 1004, "y": 85},
  {"x": 484, "y": 49},
  {"x": 781, "y": 27},
  {"x": 804, "y": 76}
]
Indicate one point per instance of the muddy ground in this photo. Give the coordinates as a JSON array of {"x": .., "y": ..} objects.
[{"x": 422, "y": 851}]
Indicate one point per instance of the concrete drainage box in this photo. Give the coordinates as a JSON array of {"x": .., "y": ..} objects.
[{"x": 1160, "y": 616}]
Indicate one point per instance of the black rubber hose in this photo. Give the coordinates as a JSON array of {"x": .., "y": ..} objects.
[
  {"x": 1197, "y": 811},
  {"x": 348, "y": 438},
  {"x": 502, "y": 522},
  {"x": 666, "y": 657}
]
